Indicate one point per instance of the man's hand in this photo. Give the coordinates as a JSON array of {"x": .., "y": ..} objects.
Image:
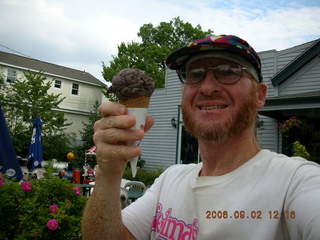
[{"x": 111, "y": 134}]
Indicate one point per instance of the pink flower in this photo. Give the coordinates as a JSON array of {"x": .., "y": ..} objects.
[
  {"x": 1, "y": 182},
  {"x": 52, "y": 224},
  {"x": 26, "y": 186},
  {"x": 54, "y": 208},
  {"x": 77, "y": 191}
]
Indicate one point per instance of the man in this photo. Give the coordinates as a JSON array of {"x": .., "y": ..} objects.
[{"x": 239, "y": 191}]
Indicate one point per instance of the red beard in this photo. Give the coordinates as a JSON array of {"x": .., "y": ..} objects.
[{"x": 235, "y": 125}]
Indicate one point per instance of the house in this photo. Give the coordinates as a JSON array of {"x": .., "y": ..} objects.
[
  {"x": 293, "y": 79},
  {"x": 80, "y": 89}
]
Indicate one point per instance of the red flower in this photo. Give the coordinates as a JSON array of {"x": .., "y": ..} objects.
[
  {"x": 52, "y": 224},
  {"x": 54, "y": 208},
  {"x": 26, "y": 186}
]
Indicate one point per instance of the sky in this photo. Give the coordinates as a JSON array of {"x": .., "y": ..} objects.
[{"x": 82, "y": 34}]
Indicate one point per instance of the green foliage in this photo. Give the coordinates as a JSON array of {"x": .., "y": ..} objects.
[
  {"x": 87, "y": 130},
  {"x": 25, "y": 214},
  {"x": 147, "y": 177},
  {"x": 300, "y": 150},
  {"x": 157, "y": 43},
  {"x": 87, "y": 138},
  {"x": 56, "y": 146},
  {"x": 23, "y": 101}
]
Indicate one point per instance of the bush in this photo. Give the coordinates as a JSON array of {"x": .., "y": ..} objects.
[
  {"x": 300, "y": 150},
  {"x": 50, "y": 208},
  {"x": 147, "y": 177}
]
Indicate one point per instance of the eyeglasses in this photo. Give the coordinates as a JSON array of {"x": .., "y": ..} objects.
[{"x": 224, "y": 74}]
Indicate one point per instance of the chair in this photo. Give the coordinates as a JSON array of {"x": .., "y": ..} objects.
[
  {"x": 135, "y": 189},
  {"x": 124, "y": 197}
]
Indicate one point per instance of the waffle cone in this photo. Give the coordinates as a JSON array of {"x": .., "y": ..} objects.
[{"x": 139, "y": 102}]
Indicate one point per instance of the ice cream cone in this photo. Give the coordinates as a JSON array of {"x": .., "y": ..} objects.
[
  {"x": 139, "y": 102},
  {"x": 134, "y": 88},
  {"x": 138, "y": 108}
]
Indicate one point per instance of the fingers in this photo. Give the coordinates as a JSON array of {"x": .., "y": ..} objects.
[
  {"x": 122, "y": 121},
  {"x": 117, "y": 136},
  {"x": 107, "y": 153},
  {"x": 149, "y": 123},
  {"x": 112, "y": 109}
]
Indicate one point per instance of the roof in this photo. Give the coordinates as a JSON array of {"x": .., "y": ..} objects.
[
  {"x": 47, "y": 68},
  {"x": 280, "y": 107},
  {"x": 297, "y": 63}
]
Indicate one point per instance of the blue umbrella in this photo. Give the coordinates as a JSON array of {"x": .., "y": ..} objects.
[
  {"x": 35, "y": 155},
  {"x": 9, "y": 163}
]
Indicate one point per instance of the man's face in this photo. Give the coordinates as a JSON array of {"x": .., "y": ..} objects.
[{"x": 215, "y": 111}]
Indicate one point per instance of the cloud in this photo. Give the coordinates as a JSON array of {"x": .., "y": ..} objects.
[{"x": 81, "y": 34}]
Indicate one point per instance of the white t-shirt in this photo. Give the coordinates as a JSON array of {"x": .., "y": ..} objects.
[{"x": 270, "y": 197}]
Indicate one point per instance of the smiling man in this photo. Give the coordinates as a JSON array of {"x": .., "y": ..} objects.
[{"x": 239, "y": 191}]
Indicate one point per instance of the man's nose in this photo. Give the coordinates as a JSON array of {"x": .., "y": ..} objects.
[{"x": 209, "y": 84}]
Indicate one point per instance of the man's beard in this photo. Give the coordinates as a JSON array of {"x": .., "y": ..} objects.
[{"x": 243, "y": 119}]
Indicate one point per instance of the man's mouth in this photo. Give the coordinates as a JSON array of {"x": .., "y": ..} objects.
[{"x": 212, "y": 107}]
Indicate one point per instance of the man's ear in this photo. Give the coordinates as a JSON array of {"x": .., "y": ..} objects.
[{"x": 261, "y": 95}]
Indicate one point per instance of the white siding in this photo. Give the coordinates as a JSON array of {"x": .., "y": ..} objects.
[
  {"x": 159, "y": 145},
  {"x": 267, "y": 134}
]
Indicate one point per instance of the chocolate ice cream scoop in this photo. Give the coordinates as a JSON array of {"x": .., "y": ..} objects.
[{"x": 132, "y": 83}]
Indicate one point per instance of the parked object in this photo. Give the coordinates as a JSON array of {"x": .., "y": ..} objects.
[
  {"x": 35, "y": 155},
  {"x": 9, "y": 163},
  {"x": 135, "y": 189},
  {"x": 124, "y": 197}
]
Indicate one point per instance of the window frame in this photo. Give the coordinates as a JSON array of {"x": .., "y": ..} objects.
[
  {"x": 76, "y": 89},
  {"x": 11, "y": 72},
  {"x": 55, "y": 81}
]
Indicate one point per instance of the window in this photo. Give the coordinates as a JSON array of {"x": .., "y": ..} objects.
[
  {"x": 75, "y": 89},
  {"x": 57, "y": 83},
  {"x": 12, "y": 75}
]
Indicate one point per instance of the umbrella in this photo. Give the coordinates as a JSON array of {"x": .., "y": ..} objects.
[
  {"x": 9, "y": 163},
  {"x": 35, "y": 155},
  {"x": 91, "y": 151}
]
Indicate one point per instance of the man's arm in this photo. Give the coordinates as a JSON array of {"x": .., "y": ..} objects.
[{"x": 102, "y": 215}]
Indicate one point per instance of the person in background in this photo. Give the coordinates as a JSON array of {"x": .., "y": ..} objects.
[
  {"x": 69, "y": 173},
  {"x": 239, "y": 191}
]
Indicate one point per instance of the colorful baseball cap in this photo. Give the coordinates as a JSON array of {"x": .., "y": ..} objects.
[{"x": 222, "y": 43}]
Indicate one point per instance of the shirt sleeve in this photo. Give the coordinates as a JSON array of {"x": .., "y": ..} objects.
[
  {"x": 302, "y": 206},
  {"x": 138, "y": 216}
]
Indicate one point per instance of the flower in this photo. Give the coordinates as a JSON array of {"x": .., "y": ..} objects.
[
  {"x": 1, "y": 182},
  {"x": 77, "y": 191},
  {"x": 26, "y": 186},
  {"x": 285, "y": 127},
  {"x": 54, "y": 208},
  {"x": 52, "y": 224}
]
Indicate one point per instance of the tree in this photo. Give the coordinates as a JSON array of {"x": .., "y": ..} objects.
[
  {"x": 157, "y": 43},
  {"x": 23, "y": 101},
  {"x": 87, "y": 131},
  {"x": 87, "y": 138}
]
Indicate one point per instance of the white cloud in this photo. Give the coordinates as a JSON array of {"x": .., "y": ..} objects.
[{"x": 82, "y": 34}]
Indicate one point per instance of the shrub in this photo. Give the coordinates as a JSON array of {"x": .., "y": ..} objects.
[
  {"x": 147, "y": 177},
  {"x": 49, "y": 208},
  {"x": 300, "y": 150}
]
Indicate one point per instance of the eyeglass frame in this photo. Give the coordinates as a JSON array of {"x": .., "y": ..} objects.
[{"x": 182, "y": 70}]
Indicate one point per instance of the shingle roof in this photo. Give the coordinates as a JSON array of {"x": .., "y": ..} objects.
[{"x": 47, "y": 68}]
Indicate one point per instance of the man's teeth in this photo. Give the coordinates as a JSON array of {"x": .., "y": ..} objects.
[{"x": 213, "y": 107}]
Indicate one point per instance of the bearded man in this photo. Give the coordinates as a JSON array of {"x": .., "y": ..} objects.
[{"x": 239, "y": 191}]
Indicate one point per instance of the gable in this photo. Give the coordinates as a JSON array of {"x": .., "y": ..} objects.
[
  {"x": 296, "y": 64},
  {"x": 306, "y": 79}
]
